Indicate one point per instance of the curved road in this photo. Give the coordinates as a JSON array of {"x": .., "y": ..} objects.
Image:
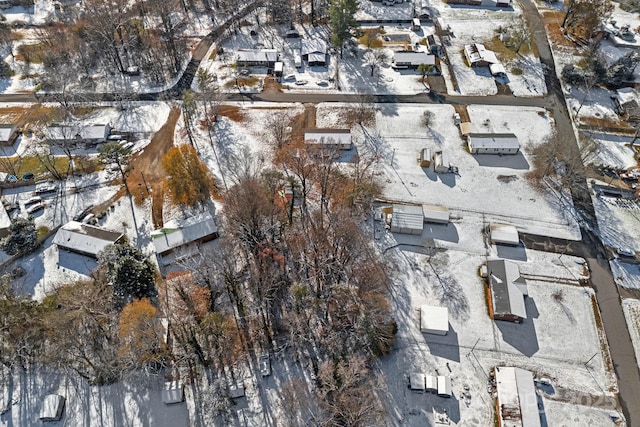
[{"x": 620, "y": 345}]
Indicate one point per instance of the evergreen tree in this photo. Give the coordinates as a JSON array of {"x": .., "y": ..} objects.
[
  {"x": 22, "y": 236},
  {"x": 128, "y": 271},
  {"x": 342, "y": 22}
]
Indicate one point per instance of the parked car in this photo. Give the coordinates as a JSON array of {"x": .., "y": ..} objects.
[
  {"x": 114, "y": 137},
  {"x": 11, "y": 178},
  {"x": 128, "y": 145},
  {"x": 28, "y": 176},
  {"x": 322, "y": 83},
  {"x": 290, "y": 77},
  {"x": 46, "y": 187},
  {"x": 301, "y": 82},
  {"x": 35, "y": 208},
  {"x": 388, "y": 2},
  {"x": 265, "y": 365},
  {"x": 32, "y": 200}
]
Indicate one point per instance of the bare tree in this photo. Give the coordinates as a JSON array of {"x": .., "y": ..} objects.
[{"x": 375, "y": 59}]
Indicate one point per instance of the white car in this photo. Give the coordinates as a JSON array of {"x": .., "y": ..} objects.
[
  {"x": 32, "y": 200},
  {"x": 290, "y": 77},
  {"x": 301, "y": 82},
  {"x": 322, "y": 83},
  {"x": 35, "y": 208}
]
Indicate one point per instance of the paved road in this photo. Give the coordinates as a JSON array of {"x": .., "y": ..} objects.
[{"x": 607, "y": 294}]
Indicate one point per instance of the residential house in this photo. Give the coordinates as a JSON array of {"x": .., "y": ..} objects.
[
  {"x": 90, "y": 135},
  {"x": 516, "y": 398},
  {"x": 257, "y": 58},
  {"x": 337, "y": 139},
  {"x": 314, "y": 51},
  {"x": 184, "y": 234},
  {"x": 507, "y": 289},
  {"x": 412, "y": 60},
  {"x": 8, "y": 133},
  {"x": 85, "y": 239},
  {"x": 479, "y": 56},
  {"x": 493, "y": 143}
]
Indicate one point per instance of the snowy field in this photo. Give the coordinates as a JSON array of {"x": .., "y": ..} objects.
[
  {"x": 491, "y": 187},
  {"x": 556, "y": 340},
  {"x": 612, "y": 150},
  {"x": 631, "y": 309}
]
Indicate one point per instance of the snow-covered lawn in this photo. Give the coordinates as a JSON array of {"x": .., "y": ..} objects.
[
  {"x": 491, "y": 188},
  {"x": 631, "y": 308},
  {"x": 612, "y": 150},
  {"x": 136, "y": 403},
  {"x": 618, "y": 222}
]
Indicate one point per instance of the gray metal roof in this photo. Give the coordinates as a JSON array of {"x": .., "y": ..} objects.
[
  {"x": 76, "y": 131},
  {"x": 87, "y": 239},
  {"x": 507, "y": 288},
  {"x": 179, "y": 233},
  {"x": 517, "y": 397},
  {"x": 407, "y": 217},
  {"x": 313, "y": 46}
]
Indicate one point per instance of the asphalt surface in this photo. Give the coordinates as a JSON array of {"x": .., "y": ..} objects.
[{"x": 591, "y": 247}]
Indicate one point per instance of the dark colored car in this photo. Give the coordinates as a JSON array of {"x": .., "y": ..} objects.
[{"x": 28, "y": 176}]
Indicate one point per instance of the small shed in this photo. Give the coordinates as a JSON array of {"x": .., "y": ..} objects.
[
  {"x": 173, "y": 392},
  {"x": 236, "y": 390},
  {"x": 425, "y": 157},
  {"x": 434, "y": 320},
  {"x": 504, "y": 234},
  {"x": 277, "y": 69},
  {"x": 444, "y": 386},
  {"x": 407, "y": 219},
  {"x": 415, "y": 24},
  {"x": 52, "y": 407},
  {"x": 493, "y": 143},
  {"x": 431, "y": 383},
  {"x": 441, "y": 163},
  {"x": 180, "y": 233},
  {"x": 417, "y": 382},
  {"x": 297, "y": 58},
  {"x": 437, "y": 214}
]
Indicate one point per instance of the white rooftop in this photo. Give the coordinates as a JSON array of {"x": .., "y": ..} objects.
[
  {"x": 6, "y": 130},
  {"x": 257, "y": 55},
  {"x": 517, "y": 399},
  {"x": 81, "y": 132},
  {"x": 177, "y": 233},
  {"x": 434, "y": 318},
  {"x": 313, "y": 46},
  {"x": 493, "y": 140},
  {"x": 435, "y": 213},
  {"x": 504, "y": 233},
  {"x": 84, "y": 238}
]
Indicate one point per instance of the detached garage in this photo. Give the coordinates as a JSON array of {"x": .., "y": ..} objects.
[
  {"x": 52, "y": 408},
  {"x": 437, "y": 214},
  {"x": 434, "y": 320},
  {"x": 503, "y": 234},
  {"x": 407, "y": 219}
]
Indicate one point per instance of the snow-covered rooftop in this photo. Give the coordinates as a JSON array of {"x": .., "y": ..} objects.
[
  {"x": 517, "y": 398},
  {"x": 177, "y": 233}
]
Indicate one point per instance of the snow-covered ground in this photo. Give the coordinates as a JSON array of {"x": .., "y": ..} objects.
[
  {"x": 556, "y": 340},
  {"x": 626, "y": 274},
  {"x": 631, "y": 309},
  {"x": 612, "y": 150},
  {"x": 486, "y": 187},
  {"x": 135, "y": 403}
]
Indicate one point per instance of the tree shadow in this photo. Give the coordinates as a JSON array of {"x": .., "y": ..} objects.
[
  {"x": 522, "y": 336},
  {"x": 508, "y": 161}
]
